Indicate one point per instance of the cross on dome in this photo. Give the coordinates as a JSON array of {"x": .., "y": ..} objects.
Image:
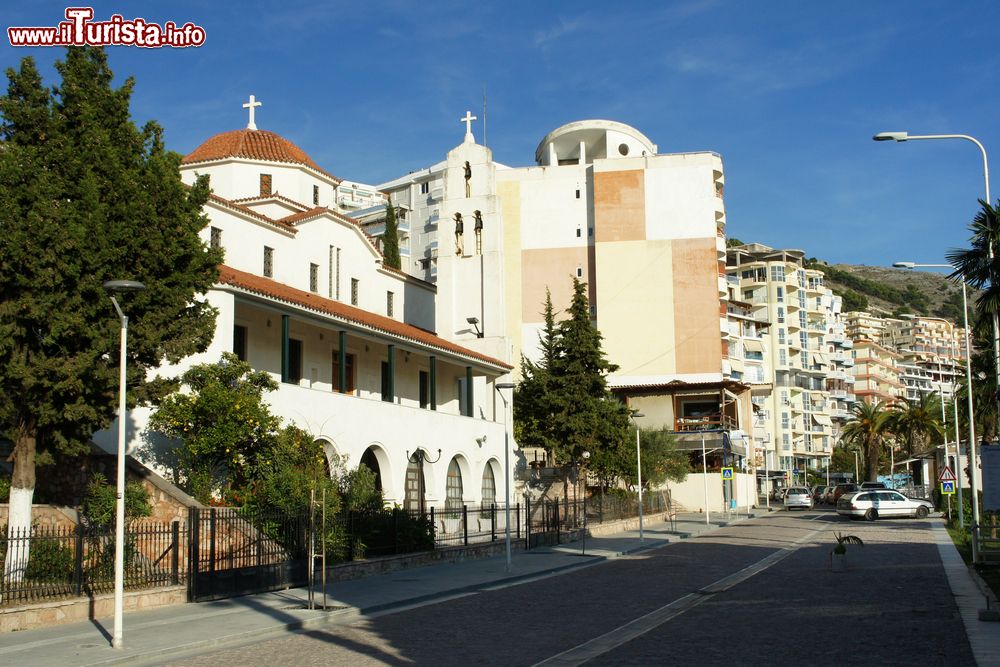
[
  {"x": 250, "y": 105},
  {"x": 468, "y": 125}
]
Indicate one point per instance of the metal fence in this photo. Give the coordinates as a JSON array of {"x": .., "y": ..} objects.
[
  {"x": 44, "y": 563},
  {"x": 221, "y": 552}
]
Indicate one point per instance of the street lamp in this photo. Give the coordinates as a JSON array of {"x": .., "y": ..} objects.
[
  {"x": 972, "y": 431},
  {"x": 638, "y": 468},
  {"x": 120, "y": 287},
  {"x": 857, "y": 465},
  {"x": 904, "y": 136},
  {"x": 506, "y": 467}
]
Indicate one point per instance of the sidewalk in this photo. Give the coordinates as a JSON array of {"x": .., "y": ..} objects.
[
  {"x": 192, "y": 627},
  {"x": 174, "y": 631}
]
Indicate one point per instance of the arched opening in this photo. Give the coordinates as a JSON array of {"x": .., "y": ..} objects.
[
  {"x": 413, "y": 499},
  {"x": 453, "y": 487},
  {"x": 489, "y": 489},
  {"x": 369, "y": 460}
]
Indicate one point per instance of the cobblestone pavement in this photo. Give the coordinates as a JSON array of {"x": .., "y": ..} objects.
[{"x": 893, "y": 606}]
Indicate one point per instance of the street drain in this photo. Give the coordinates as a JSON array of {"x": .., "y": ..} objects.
[{"x": 317, "y": 607}]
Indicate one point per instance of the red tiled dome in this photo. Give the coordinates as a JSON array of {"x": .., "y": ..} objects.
[{"x": 254, "y": 145}]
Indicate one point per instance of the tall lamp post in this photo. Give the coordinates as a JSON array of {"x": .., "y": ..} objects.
[
  {"x": 857, "y": 465},
  {"x": 506, "y": 467},
  {"x": 638, "y": 468},
  {"x": 972, "y": 431},
  {"x": 904, "y": 136},
  {"x": 120, "y": 287}
]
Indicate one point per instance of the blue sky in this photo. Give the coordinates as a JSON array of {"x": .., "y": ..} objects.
[{"x": 788, "y": 92}]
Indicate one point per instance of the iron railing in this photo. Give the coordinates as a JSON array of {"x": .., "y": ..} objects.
[{"x": 43, "y": 563}]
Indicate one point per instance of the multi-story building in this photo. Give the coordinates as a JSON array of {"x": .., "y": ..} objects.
[
  {"x": 304, "y": 295},
  {"x": 877, "y": 372},
  {"x": 806, "y": 346},
  {"x": 644, "y": 230}
]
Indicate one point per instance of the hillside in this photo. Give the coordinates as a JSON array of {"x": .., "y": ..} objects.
[{"x": 886, "y": 290}]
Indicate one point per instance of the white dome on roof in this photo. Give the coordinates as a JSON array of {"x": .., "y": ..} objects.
[{"x": 600, "y": 139}]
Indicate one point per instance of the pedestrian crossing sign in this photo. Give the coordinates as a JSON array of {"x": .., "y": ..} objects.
[
  {"x": 947, "y": 488},
  {"x": 727, "y": 473}
]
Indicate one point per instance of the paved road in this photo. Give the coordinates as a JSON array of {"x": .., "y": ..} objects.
[{"x": 759, "y": 592}]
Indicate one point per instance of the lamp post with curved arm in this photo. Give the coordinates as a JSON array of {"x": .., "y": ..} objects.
[{"x": 973, "y": 486}]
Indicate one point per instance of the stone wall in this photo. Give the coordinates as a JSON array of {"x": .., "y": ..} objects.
[
  {"x": 47, "y": 516},
  {"x": 48, "y": 614}
]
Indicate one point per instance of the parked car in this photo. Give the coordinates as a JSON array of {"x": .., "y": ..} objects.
[
  {"x": 873, "y": 485},
  {"x": 798, "y": 496},
  {"x": 841, "y": 489},
  {"x": 877, "y": 503},
  {"x": 777, "y": 493},
  {"x": 817, "y": 494},
  {"x": 828, "y": 495}
]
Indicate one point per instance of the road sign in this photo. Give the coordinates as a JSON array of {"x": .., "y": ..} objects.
[
  {"x": 795, "y": 471},
  {"x": 727, "y": 473},
  {"x": 946, "y": 475},
  {"x": 947, "y": 488}
]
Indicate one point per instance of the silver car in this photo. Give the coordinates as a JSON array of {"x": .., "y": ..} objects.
[
  {"x": 873, "y": 504},
  {"x": 798, "y": 496}
]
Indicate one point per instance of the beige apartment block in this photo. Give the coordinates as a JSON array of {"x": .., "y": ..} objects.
[
  {"x": 644, "y": 229},
  {"x": 799, "y": 421}
]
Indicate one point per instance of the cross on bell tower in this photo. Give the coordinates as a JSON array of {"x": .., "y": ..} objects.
[
  {"x": 468, "y": 126},
  {"x": 250, "y": 105}
]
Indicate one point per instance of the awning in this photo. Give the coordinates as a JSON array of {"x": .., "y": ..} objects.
[
  {"x": 818, "y": 358},
  {"x": 822, "y": 419},
  {"x": 753, "y": 346},
  {"x": 736, "y": 364}
]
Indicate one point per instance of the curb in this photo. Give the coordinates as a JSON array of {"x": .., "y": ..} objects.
[{"x": 324, "y": 619}]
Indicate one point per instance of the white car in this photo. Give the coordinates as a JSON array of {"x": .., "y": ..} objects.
[
  {"x": 876, "y": 503},
  {"x": 798, "y": 496}
]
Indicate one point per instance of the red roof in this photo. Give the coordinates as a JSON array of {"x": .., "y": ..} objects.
[
  {"x": 249, "y": 211},
  {"x": 254, "y": 145},
  {"x": 281, "y": 292}
]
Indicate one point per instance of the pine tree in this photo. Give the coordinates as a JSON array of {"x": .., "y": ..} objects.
[
  {"x": 86, "y": 197},
  {"x": 390, "y": 238},
  {"x": 532, "y": 404}
]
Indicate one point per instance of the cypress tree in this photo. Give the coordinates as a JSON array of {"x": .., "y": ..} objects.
[
  {"x": 87, "y": 197},
  {"x": 390, "y": 238}
]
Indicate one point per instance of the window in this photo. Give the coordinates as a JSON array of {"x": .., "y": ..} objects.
[
  {"x": 414, "y": 498},
  {"x": 781, "y": 315},
  {"x": 489, "y": 486},
  {"x": 453, "y": 488},
  {"x": 781, "y": 336},
  {"x": 386, "y": 377},
  {"x": 354, "y": 291},
  {"x": 578, "y": 193},
  {"x": 388, "y": 304},
  {"x": 424, "y": 389},
  {"x": 265, "y": 185},
  {"x": 294, "y": 360},
  {"x": 216, "y": 237},
  {"x": 579, "y": 272},
  {"x": 579, "y": 232},
  {"x": 590, "y": 231},
  {"x": 313, "y": 277},
  {"x": 268, "y": 262},
  {"x": 315, "y": 195},
  {"x": 781, "y": 294},
  {"x": 349, "y": 385},
  {"x": 460, "y": 386},
  {"x": 784, "y": 420},
  {"x": 782, "y": 357},
  {"x": 425, "y": 187},
  {"x": 240, "y": 342},
  {"x": 778, "y": 273}
]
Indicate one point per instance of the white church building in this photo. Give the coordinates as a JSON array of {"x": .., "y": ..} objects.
[{"x": 366, "y": 355}]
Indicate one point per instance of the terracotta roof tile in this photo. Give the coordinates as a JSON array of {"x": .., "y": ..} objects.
[
  {"x": 254, "y": 145},
  {"x": 252, "y": 213},
  {"x": 275, "y": 290},
  {"x": 271, "y": 197}
]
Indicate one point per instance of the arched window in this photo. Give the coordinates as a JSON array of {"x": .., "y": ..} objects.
[
  {"x": 453, "y": 491},
  {"x": 369, "y": 460},
  {"x": 414, "y": 499},
  {"x": 489, "y": 486}
]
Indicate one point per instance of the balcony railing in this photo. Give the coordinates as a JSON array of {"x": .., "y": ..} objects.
[{"x": 705, "y": 423}]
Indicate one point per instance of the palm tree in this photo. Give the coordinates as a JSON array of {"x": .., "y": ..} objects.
[
  {"x": 979, "y": 265},
  {"x": 917, "y": 423},
  {"x": 867, "y": 430}
]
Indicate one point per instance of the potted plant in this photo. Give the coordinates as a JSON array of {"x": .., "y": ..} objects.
[{"x": 838, "y": 557}]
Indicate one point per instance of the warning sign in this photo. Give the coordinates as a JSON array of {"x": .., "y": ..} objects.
[{"x": 946, "y": 475}]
